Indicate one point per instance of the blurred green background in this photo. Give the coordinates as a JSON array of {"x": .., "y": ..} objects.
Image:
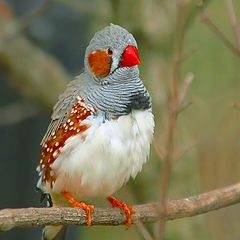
[{"x": 40, "y": 50}]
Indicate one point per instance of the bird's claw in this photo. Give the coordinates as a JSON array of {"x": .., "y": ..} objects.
[
  {"x": 89, "y": 209},
  {"x": 127, "y": 209}
]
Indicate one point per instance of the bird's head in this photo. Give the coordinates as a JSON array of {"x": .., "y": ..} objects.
[
  {"x": 110, "y": 49},
  {"x": 112, "y": 83}
]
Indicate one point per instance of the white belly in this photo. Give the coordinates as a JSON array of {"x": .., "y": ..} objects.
[{"x": 99, "y": 161}]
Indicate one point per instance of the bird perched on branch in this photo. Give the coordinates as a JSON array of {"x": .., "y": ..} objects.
[{"x": 101, "y": 128}]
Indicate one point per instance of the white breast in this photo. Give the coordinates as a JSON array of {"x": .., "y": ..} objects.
[{"x": 99, "y": 161}]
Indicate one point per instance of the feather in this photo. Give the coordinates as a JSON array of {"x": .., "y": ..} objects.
[
  {"x": 54, "y": 232},
  {"x": 63, "y": 107}
]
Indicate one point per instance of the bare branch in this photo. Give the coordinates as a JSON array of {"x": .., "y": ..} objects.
[
  {"x": 26, "y": 21},
  {"x": 208, "y": 21},
  {"x": 183, "y": 92},
  {"x": 233, "y": 21},
  {"x": 83, "y": 7},
  {"x": 172, "y": 117},
  {"x": 35, "y": 74},
  {"x": 144, "y": 231},
  {"x": 16, "y": 112},
  {"x": 236, "y": 105},
  {"x": 175, "y": 209},
  {"x": 182, "y": 151},
  {"x": 158, "y": 149}
]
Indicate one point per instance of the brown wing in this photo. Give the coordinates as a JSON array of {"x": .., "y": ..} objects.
[{"x": 51, "y": 148}]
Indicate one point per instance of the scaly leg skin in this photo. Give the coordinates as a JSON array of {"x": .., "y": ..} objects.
[
  {"x": 87, "y": 208},
  {"x": 128, "y": 210}
]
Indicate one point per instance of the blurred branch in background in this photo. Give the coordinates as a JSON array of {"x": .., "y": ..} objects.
[
  {"x": 16, "y": 112},
  {"x": 35, "y": 74},
  {"x": 179, "y": 153},
  {"x": 233, "y": 21},
  {"x": 175, "y": 209},
  {"x": 82, "y": 6},
  {"x": 18, "y": 26},
  {"x": 236, "y": 105},
  {"x": 176, "y": 99},
  {"x": 213, "y": 27},
  {"x": 143, "y": 230}
]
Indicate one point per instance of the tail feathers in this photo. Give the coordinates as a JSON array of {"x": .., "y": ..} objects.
[{"x": 54, "y": 232}]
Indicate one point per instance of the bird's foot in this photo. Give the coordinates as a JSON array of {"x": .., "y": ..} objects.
[
  {"x": 127, "y": 209},
  {"x": 86, "y": 207}
]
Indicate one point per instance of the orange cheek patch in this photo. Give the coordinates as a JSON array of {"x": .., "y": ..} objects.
[{"x": 100, "y": 63}]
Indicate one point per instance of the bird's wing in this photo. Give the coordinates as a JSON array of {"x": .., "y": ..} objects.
[
  {"x": 62, "y": 108},
  {"x": 72, "y": 118}
]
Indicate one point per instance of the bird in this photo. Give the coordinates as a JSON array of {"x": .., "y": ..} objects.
[{"x": 100, "y": 131}]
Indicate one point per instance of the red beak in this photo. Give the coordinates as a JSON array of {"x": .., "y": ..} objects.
[{"x": 130, "y": 57}]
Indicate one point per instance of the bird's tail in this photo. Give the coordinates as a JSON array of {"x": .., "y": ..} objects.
[{"x": 54, "y": 232}]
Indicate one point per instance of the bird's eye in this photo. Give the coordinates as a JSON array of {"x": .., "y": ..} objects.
[{"x": 110, "y": 52}]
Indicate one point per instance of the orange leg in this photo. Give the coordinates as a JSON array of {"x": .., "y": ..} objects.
[
  {"x": 128, "y": 210},
  {"x": 87, "y": 208}
]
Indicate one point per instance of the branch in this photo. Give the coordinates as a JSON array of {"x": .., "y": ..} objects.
[
  {"x": 175, "y": 209},
  {"x": 18, "y": 26},
  {"x": 172, "y": 117},
  {"x": 236, "y": 105},
  {"x": 143, "y": 230},
  {"x": 35, "y": 74},
  {"x": 233, "y": 20},
  {"x": 16, "y": 112},
  {"x": 208, "y": 21}
]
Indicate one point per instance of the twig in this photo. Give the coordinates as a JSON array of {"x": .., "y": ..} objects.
[
  {"x": 83, "y": 7},
  {"x": 182, "y": 95},
  {"x": 175, "y": 209},
  {"x": 143, "y": 230},
  {"x": 36, "y": 75},
  {"x": 236, "y": 105},
  {"x": 16, "y": 112},
  {"x": 26, "y": 21},
  {"x": 160, "y": 152},
  {"x": 207, "y": 20},
  {"x": 18, "y": 26},
  {"x": 233, "y": 20},
  {"x": 172, "y": 118},
  {"x": 182, "y": 151}
]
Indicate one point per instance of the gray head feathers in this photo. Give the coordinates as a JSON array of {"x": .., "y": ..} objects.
[
  {"x": 122, "y": 90},
  {"x": 111, "y": 37}
]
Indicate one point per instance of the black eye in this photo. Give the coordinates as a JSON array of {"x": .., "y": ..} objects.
[{"x": 110, "y": 52}]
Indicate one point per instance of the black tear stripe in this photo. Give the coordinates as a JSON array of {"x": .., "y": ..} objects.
[{"x": 139, "y": 101}]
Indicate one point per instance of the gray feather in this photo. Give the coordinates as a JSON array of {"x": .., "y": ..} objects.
[
  {"x": 62, "y": 108},
  {"x": 54, "y": 232}
]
